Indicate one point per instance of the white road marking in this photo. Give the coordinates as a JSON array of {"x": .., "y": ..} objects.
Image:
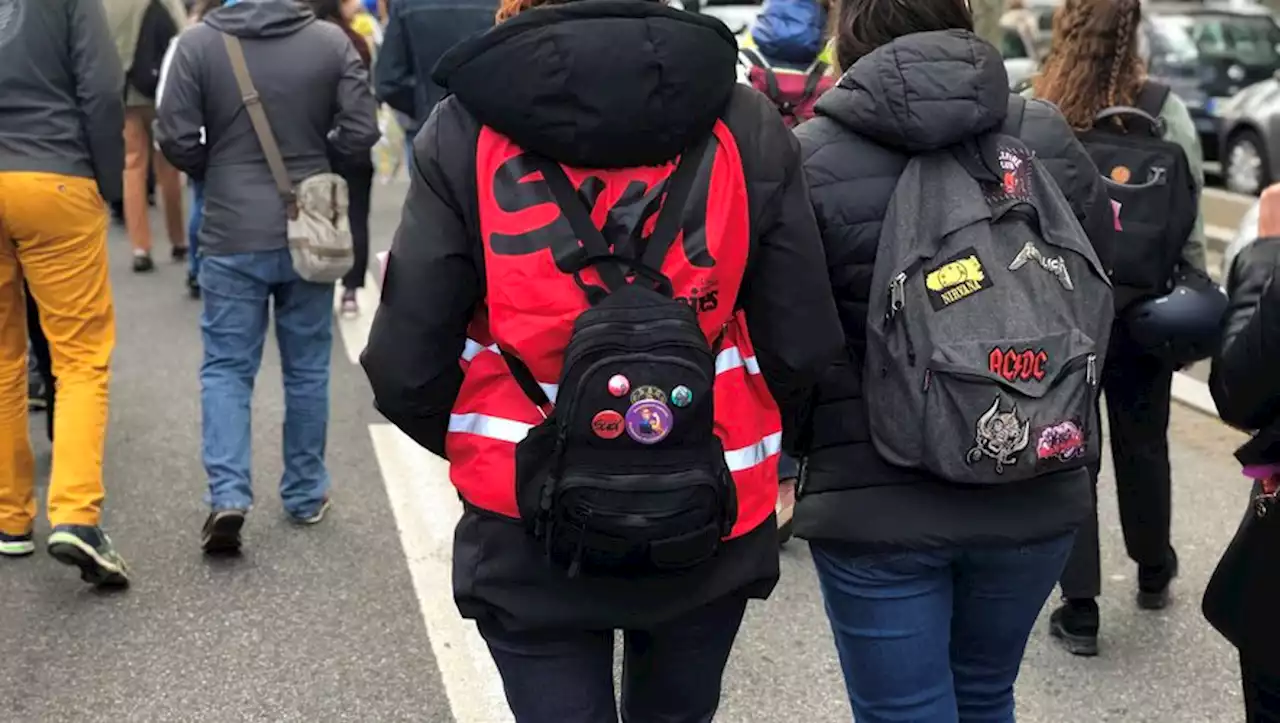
[
  {"x": 1194, "y": 393},
  {"x": 426, "y": 509},
  {"x": 355, "y": 331}
]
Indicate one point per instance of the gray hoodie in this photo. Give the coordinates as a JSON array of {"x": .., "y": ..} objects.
[
  {"x": 61, "y": 99},
  {"x": 315, "y": 92}
]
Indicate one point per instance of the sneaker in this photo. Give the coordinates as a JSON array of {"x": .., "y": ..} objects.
[
  {"x": 1153, "y": 582},
  {"x": 314, "y": 518},
  {"x": 142, "y": 262},
  {"x": 786, "y": 509},
  {"x": 193, "y": 286},
  {"x": 1075, "y": 624},
  {"x": 88, "y": 548},
  {"x": 221, "y": 534},
  {"x": 16, "y": 545},
  {"x": 350, "y": 307},
  {"x": 179, "y": 253}
]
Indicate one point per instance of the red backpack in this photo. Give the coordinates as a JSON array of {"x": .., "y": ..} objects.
[{"x": 794, "y": 92}]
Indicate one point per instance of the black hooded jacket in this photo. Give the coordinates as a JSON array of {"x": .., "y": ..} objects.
[
  {"x": 1244, "y": 381},
  {"x": 919, "y": 93},
  {"x": 592, "y": 84}
]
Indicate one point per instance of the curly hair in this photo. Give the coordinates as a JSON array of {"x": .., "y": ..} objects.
[{"x": 1093, "y": 61}]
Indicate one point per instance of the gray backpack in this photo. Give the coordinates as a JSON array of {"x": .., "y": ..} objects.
[{"x": 989, "y": 317}]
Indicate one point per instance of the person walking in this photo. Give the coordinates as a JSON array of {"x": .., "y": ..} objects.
[
  {"x": 142, "y": 30},
  {"x": 1095, "y": 65},
  {"x": 654, "y": 348},
  {"x": 313, "y": 87},
  {"x": 1243, "y": 591},
  {"x": 61, "y": 158},
  {"x": 936, "y": 549},
  {"x": 418, "y": 34},
  {"x": 358, "y": 171}
]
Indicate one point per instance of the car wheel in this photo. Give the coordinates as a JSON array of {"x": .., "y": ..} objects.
[{"x": 1245, "y": 168}]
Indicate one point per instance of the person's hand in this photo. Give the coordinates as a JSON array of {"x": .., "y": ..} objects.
[{"x": 1269, "y": 212}]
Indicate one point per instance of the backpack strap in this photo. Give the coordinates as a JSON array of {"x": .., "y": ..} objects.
[
  {"x": 770, "y": 78},
  {"x": 1152, "y": 97},
  {"x": 1013, "y": 118},
  {"x": 813, "y": 79},
  {"x": 666, "y": 229}
]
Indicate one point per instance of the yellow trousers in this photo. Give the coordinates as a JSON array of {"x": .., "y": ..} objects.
[{"x": 53, "y": 234}]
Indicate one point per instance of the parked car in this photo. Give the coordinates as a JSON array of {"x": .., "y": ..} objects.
[{"x": 1208, "y": 52}]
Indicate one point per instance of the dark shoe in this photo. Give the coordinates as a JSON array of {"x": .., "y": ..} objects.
[
  {"x": 1153, "y": 583},
  {"x": 193, "y": 286},
  {"x": 88, "y": 548},
  {"x": 314, "y": 518},
  {"x": 179, "y": 253},
  {"x": 221, "y": 534},
  {"x": 16, "y": 545},
  {"x": 142, "y": 263},
  {"x": 1075, "y": 623}
]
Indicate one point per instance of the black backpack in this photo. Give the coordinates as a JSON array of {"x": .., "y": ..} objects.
[
  {"x": 1153, "y": 193},
  {"x": 157, "y": 31},
  {"x": 626, "y": 475}
]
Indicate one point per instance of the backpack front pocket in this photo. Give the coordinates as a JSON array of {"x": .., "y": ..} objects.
[{"x": 998, "y": 412}]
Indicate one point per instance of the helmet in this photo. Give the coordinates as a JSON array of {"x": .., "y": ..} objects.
[{"x": 1182, "y": 327}]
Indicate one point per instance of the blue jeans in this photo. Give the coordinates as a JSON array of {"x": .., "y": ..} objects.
[
  {"x": 936, "y": 636},
  {"x": 193, "y": 227},
  {"x": 237, "y": 290}
]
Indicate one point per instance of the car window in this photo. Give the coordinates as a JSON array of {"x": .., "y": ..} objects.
[
  {"x": 1171, "y": 39},
  {"x": 1011, "y": 45},
  {"x": 1251, "y": 40}
]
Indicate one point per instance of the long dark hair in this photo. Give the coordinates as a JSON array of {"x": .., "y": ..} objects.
[
  {"x": 1093, "y": 62},
  {"x": 331, "y": 11},
  {"x": 861, "y": 26}
]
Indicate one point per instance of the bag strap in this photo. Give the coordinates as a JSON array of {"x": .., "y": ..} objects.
[
  {"x": 666, "y": 229},
  {"x": 1013, "y": 118},
  {"x": 1152, "y": 97},
  {"x": 261, "y": 125},
  {"x": 770, "y": 78},
  {"x": 814, "y": 78}
]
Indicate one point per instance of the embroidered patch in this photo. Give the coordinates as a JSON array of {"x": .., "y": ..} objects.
[
  {"x": 1062, "y": 442},
  {"x": 999, "y": 436},
  {"x": 1014, "y": 365},
  {"x": 607, "y": 424},
  {"x": 955, "y": 279},
  {"x": 649, "y": 421},
  {"x": 1056, "y": 265},
  {"x": 1015, "y": 177}
]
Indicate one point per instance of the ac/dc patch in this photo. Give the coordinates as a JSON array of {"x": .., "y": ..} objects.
[
  {"x": 1015, "y": 177},
  {"x": 1019, "y": 365},
  {"x": 955, "y": 279},
  {"x": 1060, "y": 442}
]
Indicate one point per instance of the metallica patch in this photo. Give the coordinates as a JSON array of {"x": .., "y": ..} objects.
[
  {"x": 955, "y": 279},
  {"x": 1057, "y": 266},
  {"x": 1000, "y": 436}
]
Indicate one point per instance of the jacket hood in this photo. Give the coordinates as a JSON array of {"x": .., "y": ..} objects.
[
  {"x": 260, "y": 18},
  {"x": 922, "y": 91},
  {"x": 597, "y": 83}
]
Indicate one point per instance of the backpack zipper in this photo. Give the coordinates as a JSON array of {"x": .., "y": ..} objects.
[{"x": 897, "y": 300}]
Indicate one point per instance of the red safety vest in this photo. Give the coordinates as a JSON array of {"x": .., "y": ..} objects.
[{"x": 531, "y": 305}]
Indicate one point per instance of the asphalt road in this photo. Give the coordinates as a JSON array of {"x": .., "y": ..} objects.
[{"x": 352, "y": 621}]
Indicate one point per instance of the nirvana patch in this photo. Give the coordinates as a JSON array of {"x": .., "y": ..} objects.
[
  {"x": 1060, "y": 442},
  {"x": 1018, "y": 365},
  {"x": 999, "y": 435},
  {"x": 956, "y": 279}
]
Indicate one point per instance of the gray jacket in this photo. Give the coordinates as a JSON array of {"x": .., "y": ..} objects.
[
  {"x": 60, "y": 85},
  {"x": 315, "y": 92}
]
